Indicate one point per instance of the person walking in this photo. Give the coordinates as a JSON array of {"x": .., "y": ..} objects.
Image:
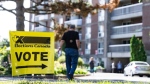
[
  {"x": 113, "y": 67},
  {"x": 119, "y": 67},
  {"x": 72, "y": 44},
  {"x": 91, "y": 63}
]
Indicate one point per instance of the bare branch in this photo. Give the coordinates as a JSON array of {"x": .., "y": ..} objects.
[
  {"x": 6, "y": 0},
  {"x": 5, "y": 10},
  {"x": 11, "y": 11},
  {"x": 39, "y": 24}
]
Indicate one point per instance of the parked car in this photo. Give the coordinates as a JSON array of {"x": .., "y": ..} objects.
[{"x": 137, "y": 68}]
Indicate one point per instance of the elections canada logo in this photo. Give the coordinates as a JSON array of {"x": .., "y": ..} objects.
[{"x": 31, "y": 41}]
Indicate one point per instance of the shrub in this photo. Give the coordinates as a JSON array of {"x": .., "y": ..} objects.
[
  {"x": 2, "y": 69},
  {"x": 86, "y": 65},
  {"x": 80, "y": 61},
  {"x": 80, "y": 71},
  {"x": 99, "y": 67},
  {"x": 56, "y": 54},
  {"x": 8, "y": 71},
  {"x": 61, "y": 59},
  {"x": 60, "y": 68}
]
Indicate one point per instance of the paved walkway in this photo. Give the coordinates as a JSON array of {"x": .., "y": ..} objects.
[
  {"x": 113, "y": 77},
  {"x": 91, "y": 77}
]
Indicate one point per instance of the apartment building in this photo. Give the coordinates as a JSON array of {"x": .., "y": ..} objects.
[
  {"x": 106, "y": 36},
  {"x": 94, "y": 36},
  {"x": 47, "y": 21},
  {"x": 129, "y": 19}
]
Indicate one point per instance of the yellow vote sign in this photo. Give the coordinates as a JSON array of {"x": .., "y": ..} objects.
[{"x": 32, "y": 52}]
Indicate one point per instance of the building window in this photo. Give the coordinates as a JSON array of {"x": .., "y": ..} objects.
[
  {"x": 61, "y": 20},
  {"x": 126, "y": 23},
  {"x": 80, "y": 36},
  {"x": 67, "y": 18},
  {"x": 88, "y": 19},
  {"x": 52, "y": 15},
  {"x": 102, "y": 1},
  {"x": 100, "y": 45},
  {"x": 79, "y": 16},
  {"x": 126, "y": 41},
  {"x": 100, "y": 49},
  {"x": 88, "y": 33},
  {"x": 100, "y": 31},
  {"x": 52, "y": 24},
  {"x": 87, "y": 48},
  {"x": 36, "y": 24},
  {"x": 101, "y": 15},
  {"x": 101, "y": 28},
  {"x": 90, "y": 1}
]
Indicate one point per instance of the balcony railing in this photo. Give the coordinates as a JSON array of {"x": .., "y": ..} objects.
[
  {"x": 135, "y": 8},
  {"x": 119, "y": 48},
  {"x": 133, "y": 28},
  {"x": 40, "y": 28},
  {"x": 77, "y": 22},
  {"x": 43, "y": 17}
]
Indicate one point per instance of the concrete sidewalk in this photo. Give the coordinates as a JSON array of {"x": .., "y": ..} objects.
[
  {"x": 92, "y": 77},
  {"x": 112, "y": 77}
]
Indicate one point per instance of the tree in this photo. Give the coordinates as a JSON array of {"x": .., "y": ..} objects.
[
  {"x": 64, "y": 8},
  {"x": 4, "y": 42},
  {"x": 137, "y": 50},
  {"x": 142, "y": 53}
]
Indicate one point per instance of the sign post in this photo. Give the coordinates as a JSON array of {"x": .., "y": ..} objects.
[{"x": 32, "y": 52}]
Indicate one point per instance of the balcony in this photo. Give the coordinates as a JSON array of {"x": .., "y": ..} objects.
[
  {"x": 76, "y": 22},
  {"x": 43, "y": 17},
  {"x": 41, "y": 28},
  {"x": 126, "y": 31},
  {"x": 126, "y": 12},
  {"x": 122, "y": 50}
]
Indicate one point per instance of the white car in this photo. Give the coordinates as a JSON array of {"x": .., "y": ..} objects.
[{"x": 137, "y": 68}]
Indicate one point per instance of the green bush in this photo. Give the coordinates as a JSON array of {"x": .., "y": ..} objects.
[
  {"x": 80, "y": 61},
  {"x": 80, "y": 71},
  {"x": 60, "y": 68},
  {"x": 8, "y": 71},
  {"x": 85, "y": 65},
  {"x": 2, "y": 69},
  {"x": 56, "y": 54},
  {"x": 99, "y": 67},
  {"x": 61, "y": 59}
]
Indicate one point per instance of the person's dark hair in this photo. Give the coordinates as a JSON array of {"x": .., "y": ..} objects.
[{"x": 72, "y": 26}]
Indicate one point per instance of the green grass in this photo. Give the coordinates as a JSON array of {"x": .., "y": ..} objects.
[{"x": 65, "y": 82}]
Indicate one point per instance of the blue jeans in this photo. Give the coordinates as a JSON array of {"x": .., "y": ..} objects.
[{"x": 71, "y": 60}]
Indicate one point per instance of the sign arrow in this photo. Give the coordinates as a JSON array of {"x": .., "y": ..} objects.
[{"x": 32, "y": 66}]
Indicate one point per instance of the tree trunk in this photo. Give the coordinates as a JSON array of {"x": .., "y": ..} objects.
[{"x": 19, "y": 15}]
